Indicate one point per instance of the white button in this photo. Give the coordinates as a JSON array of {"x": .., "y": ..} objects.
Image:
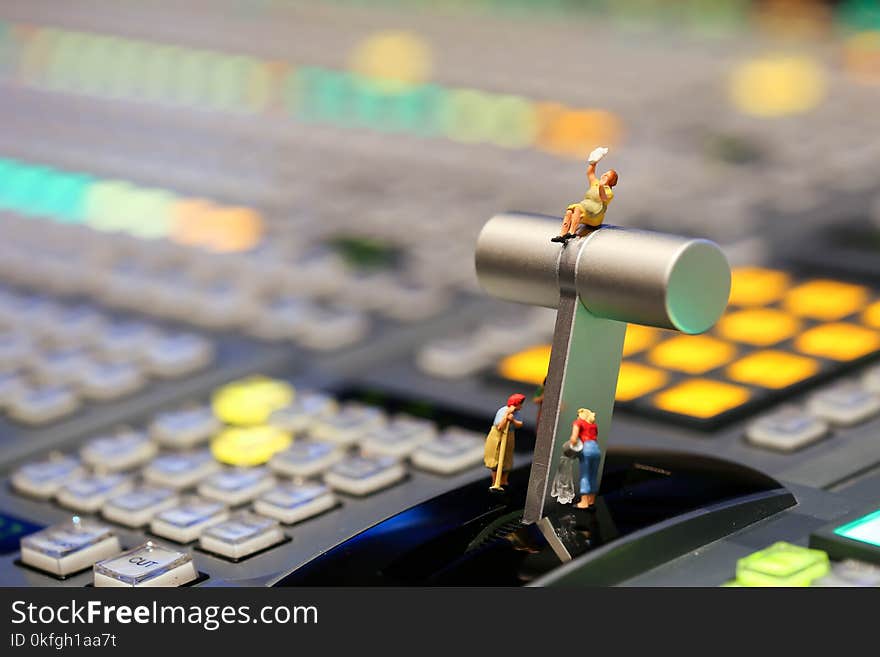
[
  {"x": 61, "y": 366},
  {"x": 179, "y": 353},
  {"x": 181, "y": 470},
  {"x": 452, "y": 358},
  {"x": 306, "y": 409},
  {"x": 333, "y": 328},
  {"x": 137, "y": 507},
  {"x": 185, "y": 428},
  {"x": 282, "y": 319},
  {"x": 72, "y": 325},
  {"x": 69, "y": 547},
  {"x": 89, "y": 493},
  {"x": 292, "y": 503},
  {"x": 786, "y": 430},
  {"x": 43, "y": 478},
  {"x": 16, "y": 348},
  {"x": 104, "y": 381},
  {"x": 147, "y": 565},
  {"x": 306, "y": 458},
  {"x": 844, "y": 403},
  {"x": 454, "y": 450},
  {"x": 123, "y": 450},
  {"x": 349, "y": 425},
  {"x": 126, "y": 340},
  {"x": 12, "y": 384},
  {"x": 184, "y": 521},
  {"x": 43, "y": 405},
  {"x": 398, "y": 438},
  {"x": 234, "y": 486},
  {"x": 241, "y": 535},
  {"x": 362, "y": 475}
]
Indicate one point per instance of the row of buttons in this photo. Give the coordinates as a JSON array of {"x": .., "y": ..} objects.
[
  {"x": 259, "y": 442},
  {"x": 754, "y": 351},
  {"x": 785, "y": 564},
  {"x": 53, "y": 355},
  {"x": 790, "y": 427}
]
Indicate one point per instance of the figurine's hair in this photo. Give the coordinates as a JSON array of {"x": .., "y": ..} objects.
[
  {"x": 587, "y": 410},
  {"x": 516, "y": 399},
  {"x": 612, "y": 177}
]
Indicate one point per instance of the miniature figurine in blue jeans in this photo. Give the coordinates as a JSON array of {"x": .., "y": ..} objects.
[{"x": 585, "y": 430}]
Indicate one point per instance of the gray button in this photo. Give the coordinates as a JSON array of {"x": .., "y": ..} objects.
[
  {"x": 89, "y": 493},
  {"x": 241, "y": 535},
  {"x": 399, "y": 438},
  {"x": 187, "y": 519},
  {"x": 177, "y": 354},
  {"x": 306, "y": 408},
  {"x": 786, "y": 430},
  {"x": 306, "y": 458},
  {"x": 363, "y": 475},
  {"x": 851, "y": 573},
  {"x": 44, "y": 478},
  {"x": 148, "y": 565},
  {"x": 111, "y": 380},
  {"x": 181, "y": 470},
  {"x": 126, "y": 340},
  {"x": 291, "y": 502},
  {"x": 184, "y": 428},
  {"x": 454, "y": 450},
  {"x": 136, "y": 507},
  {"x": 61, "y": 366},
  {"x": 349, "y": 425},
  {"x": 69, "y": 547},
  {"x": 122, "y": 450},
  {"x": 235, "y": 486},
  {"x": 43, "y": 404},
  {"x": 844, "y": 403},
  {"x": 16, "y": 348}
]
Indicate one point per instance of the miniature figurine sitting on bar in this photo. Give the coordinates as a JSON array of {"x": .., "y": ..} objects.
[
  {"x": 498, "y": 456},
  {"x": 585, "y": 216}
]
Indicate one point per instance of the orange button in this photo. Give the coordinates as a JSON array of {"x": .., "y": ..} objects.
[
  {"x": 638, "y": 338},
  {"x": 638, "y": 380},
  {"x": 772, "y": 369},
  {"x": 527, "y": 366},
  {"x": 871, "y": 316},
  {"x": 761, "y": 327},
  {"x": 838, "y": 341},
  {"x": 756, "y": 286},
  {"x": 694, "y": 354},
  {"x": 826, "y": 299},
  {"x": 701, "y": 398}
]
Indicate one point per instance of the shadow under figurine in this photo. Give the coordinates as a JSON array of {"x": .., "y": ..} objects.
[
  {"x": 578, "y": 468},
  {"x": 498, "y": 455}
]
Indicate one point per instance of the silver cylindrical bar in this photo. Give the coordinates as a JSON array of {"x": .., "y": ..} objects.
[
  {"x": 628, "y": 275},
  {"x": 516, "y": 261},
  {"x": 653, "y": 279}
]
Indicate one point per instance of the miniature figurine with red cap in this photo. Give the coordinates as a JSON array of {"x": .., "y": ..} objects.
[
  {"x": 585, "y": 216},
  {"x": 498, "y": 455}
]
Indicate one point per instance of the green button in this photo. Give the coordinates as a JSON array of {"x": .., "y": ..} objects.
[
  {"x": 866, "y": 529},
  {"x": 782, "y": 564}
]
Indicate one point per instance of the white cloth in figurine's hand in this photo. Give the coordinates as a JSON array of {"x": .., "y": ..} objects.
[{"x": 597, "y": 154}]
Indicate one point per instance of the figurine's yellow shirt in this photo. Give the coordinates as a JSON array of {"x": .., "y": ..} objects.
[{"x": 592, "y": 205}]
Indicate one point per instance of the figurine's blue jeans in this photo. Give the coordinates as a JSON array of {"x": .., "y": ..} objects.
[{"x": 590, "y": 458}]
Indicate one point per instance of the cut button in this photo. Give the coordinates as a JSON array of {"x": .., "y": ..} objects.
[{"x": 148, "y": 565}]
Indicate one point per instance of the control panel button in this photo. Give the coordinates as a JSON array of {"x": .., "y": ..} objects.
[
  {"x": 137, "y": 507},
  {"x": 180, "y": 470},
  {"x": 844, "y": 404},
  {"x": 349, "y": 425},
  {"x": 184, "y": 428},
  {"x": 306, "y": 458},
  {"x": 69, "y": 547},
  {"x": 241, "y": 535},
  {"x": 89, "y": 493},
  {"x": 308, "y": 407},
  {"x": 782, "y": 564},
  {"x": 235, "y": 486},
  {"x": 184, "y": 521},
  {"x": 123, "y": 450},
  {"x": 251, "y": 401},
  {"x": 786, "y": 430},
  {"x": 363, "y": 475},
  {"x": 454, "y": 450},
  {"x": 249, "y": 446},
  {"x": 42, "y": 479},
  {"x": 147, "y": 565},
  {"x": 290, "y": 502},
  {"x": 399, "y": 438}
]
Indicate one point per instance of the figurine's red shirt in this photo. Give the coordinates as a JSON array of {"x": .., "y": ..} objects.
[{"x": 586, "y": 430}]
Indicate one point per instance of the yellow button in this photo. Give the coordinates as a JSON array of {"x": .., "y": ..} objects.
[
  {"x": 694, "y": 354},
  {"x": 527, "y": 366},
  {"x": 247, "y": 446},
  {"x": 638, "y": 380},
  {"x": 838, "y": 341},
  {"x": 772, "y": 369},
  {"x": 701, "y": 398},
  {"x": 826, "y": 300},
  {"x": 638, "y": 338},
  {"x": 871, "y": 316},
  {"x": 251, "y": 400},
  {"x": 761, "y": 327},
  {"x": 756, "y": 286}
]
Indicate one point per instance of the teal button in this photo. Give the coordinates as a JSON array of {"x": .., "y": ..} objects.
[{"x": 866, "y": 529}]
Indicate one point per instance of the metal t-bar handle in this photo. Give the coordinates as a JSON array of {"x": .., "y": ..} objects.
[{"x": 597, "y": 283}]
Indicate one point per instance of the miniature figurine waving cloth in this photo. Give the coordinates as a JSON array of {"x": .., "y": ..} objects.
[
  {"x": 586, "y": 215},
  {"x": 565, "y": 483}
]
